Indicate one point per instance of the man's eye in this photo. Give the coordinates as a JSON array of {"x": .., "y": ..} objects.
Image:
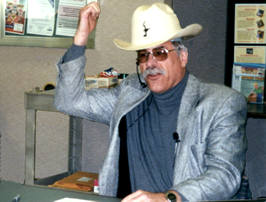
[
  {"x": 158, "y": 52},
  {"x": 142, "y": 54}
]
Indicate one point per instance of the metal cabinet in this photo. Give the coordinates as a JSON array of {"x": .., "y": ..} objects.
[{"x": 43, "y": 101}]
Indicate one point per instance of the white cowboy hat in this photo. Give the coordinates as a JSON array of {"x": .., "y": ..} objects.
[{"x": 153, "y": 25}]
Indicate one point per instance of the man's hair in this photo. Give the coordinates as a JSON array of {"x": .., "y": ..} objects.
[{"x": 179, "y": 47}]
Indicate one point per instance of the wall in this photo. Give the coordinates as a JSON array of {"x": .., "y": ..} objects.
[
  {"x": 23, "y": 68},
  {"x": 207, "y": 51}
]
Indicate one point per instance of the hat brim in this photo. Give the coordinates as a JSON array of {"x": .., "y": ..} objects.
[{"x": 188, "y": 32}]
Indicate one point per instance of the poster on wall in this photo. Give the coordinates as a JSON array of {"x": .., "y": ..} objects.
[
  {"x": 250, "y": 22},
  {"x": 15, "y": 16},
  {"x": 67, "y": 18},
  {"x": 248, "y": 79},
  {"x": 250, "y": 54},
  {"x": 68, "y": 15},
  {"x": 41, "y": 17}
]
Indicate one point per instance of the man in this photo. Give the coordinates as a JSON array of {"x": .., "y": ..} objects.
[{"x": 173, "y": 137}]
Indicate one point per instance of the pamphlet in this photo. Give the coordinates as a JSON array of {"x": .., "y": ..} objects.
[
  {"x": 249, "y": 80},
  {"x": 41, "y": 17},
  {"x": 250, "y": 22},
  {"x": 250, "y": 54},
  {"x": 15, "y": 12}
]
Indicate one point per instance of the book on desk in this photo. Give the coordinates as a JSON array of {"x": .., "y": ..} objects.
[{"x": 81, "y": 181}]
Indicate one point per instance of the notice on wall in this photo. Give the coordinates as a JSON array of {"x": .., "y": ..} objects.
[
  {"x": 249, "y": 80},
  {"x": 68, "y": 15},
  {"x": 41, "y": 17},
  {"x": 15, "y": 12},
  {"x": 250, "y": 22},
  {"x": 250, "y": 54}
]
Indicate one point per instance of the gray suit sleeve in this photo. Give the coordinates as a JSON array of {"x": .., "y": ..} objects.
[{"x": 72, "y": 98}]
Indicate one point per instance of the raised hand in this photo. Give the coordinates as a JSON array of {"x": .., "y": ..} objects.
[{"x": 88, "y": 18}]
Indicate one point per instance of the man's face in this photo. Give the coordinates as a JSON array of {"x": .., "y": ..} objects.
[{"x": 171, "y": 70}]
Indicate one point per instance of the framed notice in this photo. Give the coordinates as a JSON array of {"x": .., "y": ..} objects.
[{"x": 42, "y": 23}]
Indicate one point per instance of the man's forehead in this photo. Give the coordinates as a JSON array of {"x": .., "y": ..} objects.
[{"x": 163, "y": 45}]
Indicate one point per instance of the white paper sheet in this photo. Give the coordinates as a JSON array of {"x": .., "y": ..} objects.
[
  {"x": 72, "y": 200},
  {"x": 41, "y": 17}
]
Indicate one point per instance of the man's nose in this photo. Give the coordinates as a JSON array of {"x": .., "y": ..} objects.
[{"x": 150, "y": 59}]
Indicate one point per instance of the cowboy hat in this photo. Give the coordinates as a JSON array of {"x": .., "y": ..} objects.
[{"x": 153, "y": 25}]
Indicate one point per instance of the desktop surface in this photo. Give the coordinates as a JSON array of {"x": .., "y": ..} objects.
[{"x": 36, "y": 193}]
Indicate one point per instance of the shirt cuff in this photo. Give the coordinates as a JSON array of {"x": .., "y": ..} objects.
[{"x": 73, "y": 53}]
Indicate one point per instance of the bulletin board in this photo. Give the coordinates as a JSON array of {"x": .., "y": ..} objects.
[
  {"x": 40, "y": 23},
  {"x": 246, "y": 49}
]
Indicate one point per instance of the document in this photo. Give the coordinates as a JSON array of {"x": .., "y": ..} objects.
[
  {"x": 249, "y": 80},
  {"x": 67, "y": 18},
  {"x": 73, "y": 200},
  {"x": 15, "y": 12},
  {"x": 250, "y": 22},
  {"x": 41, "y": 17},
  {"x": 250, "y": 54},
  {"x": 68, "y": 15}
]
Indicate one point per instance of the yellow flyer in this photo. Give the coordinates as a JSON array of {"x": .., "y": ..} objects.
[
  {"x": 250, "y": 54},
  {"x": 250, "y": 22}
]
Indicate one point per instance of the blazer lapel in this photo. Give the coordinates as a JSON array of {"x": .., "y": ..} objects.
[{"x": 189, "y": 101}]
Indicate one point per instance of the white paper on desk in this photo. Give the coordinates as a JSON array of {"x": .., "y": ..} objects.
[{"x": 72, "y": 200}]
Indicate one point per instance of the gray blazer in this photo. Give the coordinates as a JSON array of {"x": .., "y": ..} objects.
[{"x": 211, "y": 124}]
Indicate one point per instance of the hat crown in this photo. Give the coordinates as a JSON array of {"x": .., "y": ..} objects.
[{"x": 153, "y": 23}]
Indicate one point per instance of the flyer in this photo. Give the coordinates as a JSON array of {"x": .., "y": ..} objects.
[
  {"x": 41, "y": 17},
  {"x": 67, "y": 18},
  {"x": 15, "y": 11},
  {"x": 250, "y": 54},
  {"x": 68, "y": 15},
  {"x": 248, "y": 79},
  {"x": 250, "y": 22}
]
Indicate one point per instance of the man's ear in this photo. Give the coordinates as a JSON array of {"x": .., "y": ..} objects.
[{"x": 183, "y": 58}]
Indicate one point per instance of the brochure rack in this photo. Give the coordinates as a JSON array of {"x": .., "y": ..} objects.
[
  {"x": 246, "y": 46},
  {"x": 40, "y": 23}
]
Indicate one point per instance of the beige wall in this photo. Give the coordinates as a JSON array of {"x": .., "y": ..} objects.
[{"x": 23, "y": 68}]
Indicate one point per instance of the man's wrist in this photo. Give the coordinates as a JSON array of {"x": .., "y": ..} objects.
[{"x": 170, "y": 197}]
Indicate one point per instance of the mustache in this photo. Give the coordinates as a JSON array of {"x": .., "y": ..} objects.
[{"x": 152, "y": 71}]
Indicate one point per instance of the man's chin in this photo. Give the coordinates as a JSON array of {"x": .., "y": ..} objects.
[{"x": 155, "y": 87}]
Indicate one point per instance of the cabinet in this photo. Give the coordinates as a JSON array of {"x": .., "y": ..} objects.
[{"x": 43, "y": 101}]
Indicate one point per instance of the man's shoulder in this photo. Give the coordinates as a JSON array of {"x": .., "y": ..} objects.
[
  {"x": 211, "y": 88},
  {"x": 214, "y": 92}
]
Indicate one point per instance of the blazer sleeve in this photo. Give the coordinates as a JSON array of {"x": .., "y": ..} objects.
[{"x": 72, "y": 98}]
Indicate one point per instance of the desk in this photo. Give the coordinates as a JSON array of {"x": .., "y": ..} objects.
[
  {"x": 36, "y": 193},
  {"x": 29, "y": 193},
  {"x": 43, "y": 101}
]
